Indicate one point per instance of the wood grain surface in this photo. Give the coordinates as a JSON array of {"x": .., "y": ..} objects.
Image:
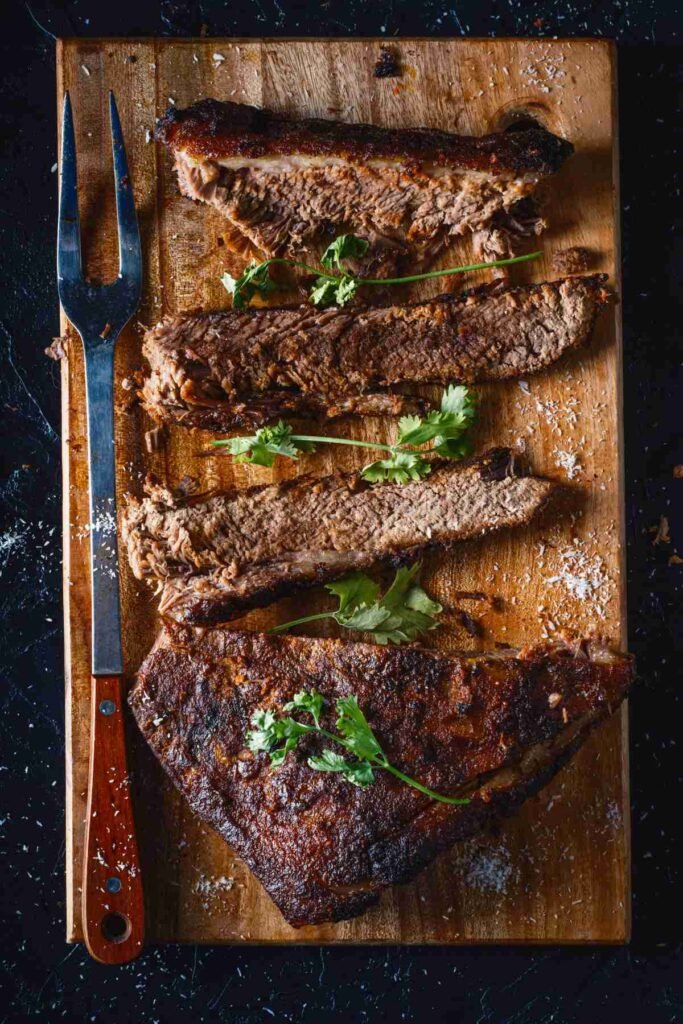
[{"x": 559, "y": 871}]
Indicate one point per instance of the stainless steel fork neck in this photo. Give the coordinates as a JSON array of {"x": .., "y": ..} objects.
[
  {"x": 107, "y": 655},
  {"x": 98, "y": 312}
]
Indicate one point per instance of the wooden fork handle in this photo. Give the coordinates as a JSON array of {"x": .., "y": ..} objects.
[{"x": 113, "y": 906}]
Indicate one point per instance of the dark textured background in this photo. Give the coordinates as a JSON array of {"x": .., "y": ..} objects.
[{"x": 40, "y": 976}]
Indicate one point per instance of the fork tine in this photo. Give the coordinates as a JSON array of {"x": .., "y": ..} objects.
[
  {"x": 69, "y": 228},
  {"x": 130, "y": 260}
]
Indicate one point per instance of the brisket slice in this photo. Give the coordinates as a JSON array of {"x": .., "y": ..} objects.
[
  {"x": 233, "y": 368},
  {"x": 214, "y": 557},
  {"x": 289, "y": 186},
  {"x": 491, "y": 727}
]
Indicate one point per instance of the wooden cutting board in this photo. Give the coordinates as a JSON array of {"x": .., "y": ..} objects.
[{"x": 559, "y": 871}]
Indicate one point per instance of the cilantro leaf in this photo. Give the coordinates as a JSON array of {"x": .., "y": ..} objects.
[
  {"x": 409, "y": 611},
  {"x": 404, "y": 591},
  {"x": 323, "y": 293},
  {"x": 355, "y": 728},
  {"x": 307, "y": 700},
  {"x": 229, "y": 283},
  {"x": 401, "y": 615},
  {"x": 399, "y": 468},
  {"x": 419, "y": 601},
  {"x": 354, "y": 591},
  {"x": 406, "y": 424},
  {"x": 359, "y": 606},
  {"x": 339, "y": 290},
  {"x": 458, "y": 401},
  {"x": 263, "y": 447},
  {"x": 453, "y": 448},
  {"x": 263, "y": 735},
  {"x": 344, "y": 247},
  {"x": 346, "y": 289},
  {"x": 255, "y": 279},
  {"x": 448, "y": 423},
  {"x": 333, "y": 292},
  {"x": 268, "y": 731},
  {"x": 360, "y": 773},
  {"x": 328, "y": 761},
  {"x": 291, "y": 732},
  {"x": 365, "y": 619}
]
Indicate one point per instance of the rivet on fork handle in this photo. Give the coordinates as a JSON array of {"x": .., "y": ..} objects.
[{"x": 113, "y": 911}]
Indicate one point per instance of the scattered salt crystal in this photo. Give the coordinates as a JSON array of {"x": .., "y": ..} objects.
[
  {"x": 584, "y": 576},
  {"x": 568, "y": 461},
  {"x": 209, "y": 889},
  {"x": 484, "y": 867}
]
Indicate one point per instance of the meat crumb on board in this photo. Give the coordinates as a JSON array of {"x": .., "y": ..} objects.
[{"x": 574, "y": 260}]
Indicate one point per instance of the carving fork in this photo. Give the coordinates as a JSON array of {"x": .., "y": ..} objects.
[{"x": 112, "y": 899}]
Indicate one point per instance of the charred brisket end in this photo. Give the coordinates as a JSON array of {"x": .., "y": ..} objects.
[
  {"x": 212, "y": 129},
  {"x": 490, "y": 727}
]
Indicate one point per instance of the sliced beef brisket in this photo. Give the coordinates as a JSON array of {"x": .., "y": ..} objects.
[
  {"x": 492, "y": 728},
  {"x": 216, "y": 556},
  {"x": 234, "y": 368},
  {"x": 289, "y": 186}
]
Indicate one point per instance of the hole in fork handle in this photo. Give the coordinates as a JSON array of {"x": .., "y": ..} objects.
[{"x": 116, "y": 927}]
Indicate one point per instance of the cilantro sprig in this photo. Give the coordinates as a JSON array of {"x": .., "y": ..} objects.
[
  {"x": 399, "y": 616},
  {"x": 278, "y": 736},
  {"x": 263, "y": 447},
  {"x": 336, "y": 284},
  {"x": 446, "y": 427}
]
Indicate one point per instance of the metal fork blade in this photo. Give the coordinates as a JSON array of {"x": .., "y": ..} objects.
[
  {"x": 130, "y": 258},
  {"x": 69, "y": 229},
  {"x": 99, "y": 312}
]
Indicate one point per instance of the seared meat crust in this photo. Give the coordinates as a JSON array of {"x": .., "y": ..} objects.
[
  {"x": 492, "y": 727},
  {"x": 218, "y": 130}
]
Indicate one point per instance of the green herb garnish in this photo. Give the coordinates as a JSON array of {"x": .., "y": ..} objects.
[
  {"x": 336, "y": 284},
  {"x": 263, "y": 447},
  {"x": 255, "y": 280},
  {"x": 278, "y": 736},
  {"x": 402, "y": 614},
  {"x": 445, "y": 427}
]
